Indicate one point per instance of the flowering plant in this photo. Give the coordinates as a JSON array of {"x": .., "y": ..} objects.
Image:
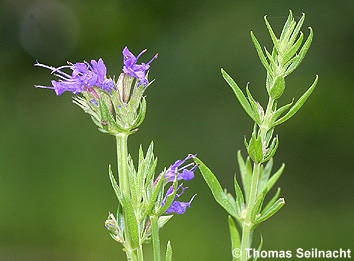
[
  {"x": 145, "y": 203},
  {"x": 248, "y": 209}
]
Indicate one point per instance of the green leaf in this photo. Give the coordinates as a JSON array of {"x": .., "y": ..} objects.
[
  {"x": 109, "y": 124},
  {"x": 271, "y": 202},
  {"x": 265, "y": 175},
  {"x": 115, "y": 184},
  {"x": 278, "y": 88},
  {"x": 239, "y": 94},
  {"x": 271, "y": 59},
  {"x": 287, "y": 34},
  {"x": 301, "y": 54},
  {"x": 163, "y": 220},
  {"x": 272, "y": 210},
  {"x": 259, "y": 248},
  {"x": 272, "y": 149},
  {"x": 292, "y": 51},
  {"x": 255, "y": 148},
  {"x": 240, "y": 201},
  {"x": 272, "y": 34},
  {"x": 246, "y": 173},
  {"x": 275, "y": 177},
  {"x": 256, "y": 209},
  {"x": 281, "y": 110},
  {"x": 297, "y": 29},
  {"x": 235, "y": 237},
  {"x": 254, "y": 105},
  {"x": 216, "y": 189},
  {"x": 142, "y": 112},
  {"x": 300, "y": 102},
  {"x": 260, "y": 53},
  {"x": 168, "y": 252},
  {"x": 131, "y": 222},
  {"x": 286, "y": 25}
]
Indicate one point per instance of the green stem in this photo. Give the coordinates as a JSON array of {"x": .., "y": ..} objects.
[
  {"x": 131, "y": 256},
  {"x": 123, "y": 175},
  {"x": 122, "y": 160},
  {"x": 248, "y": 223},
  {"x": 140, "y": 253},
  {"x": 155, "y": 238}
]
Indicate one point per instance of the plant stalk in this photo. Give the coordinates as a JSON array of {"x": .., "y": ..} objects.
[
  {"x": 248, "y": 223},
  {"x": 123, "y": 175},
  {"x": 122, "y": 161},
  {"x": 155, "y": 238}
]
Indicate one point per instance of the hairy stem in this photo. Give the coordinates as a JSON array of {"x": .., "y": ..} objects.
[
  {"x": 248, "y": 223},
  {"x": 123, "y": 175},
  {"x": 156, "y": 238},
  {"x": 140, "y": 253},
  {"x": 122, "y": 160}
]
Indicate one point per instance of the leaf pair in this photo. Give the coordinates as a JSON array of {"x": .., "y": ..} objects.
[{"x": 249, "y": 107}]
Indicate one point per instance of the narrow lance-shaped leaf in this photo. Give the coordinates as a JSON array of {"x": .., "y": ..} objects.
[
  {"x": 260, "y": 53},
  {"x": 235, "y": 237},
  {"x": 142, "y": 112},
  {"x": 216, "y": 189},
  {"x": 256, "y": 209},
  {"x": 281, "y": 110},
  {"x": 154, "y": 196},
  {"x": 265, "y": 175},
  {"x": 168, "y": 252},
  {"x": 289, "y": 32},
  {"x": 272, "y": 210},
  {"x": 286, "y": 25},
  {"x": 301, "y": 54},
  {"x": 131, "y": 222},
  {"x": 271, "y": 202},
  {"x": 271, "y": 59},
  {"x": 298, "y": 104},
  {"x": 115, "y": 184},
  {"x": 297, "y": 29},
  {"x": 259, "y": 248},
  {"x": 239, "y": 94},
  {"x": 254, "y": 105},
  {"x": 272, "y": 34},
  {"x": 275, "y": 177},
  {"x": 245, "y": 174},
  {"x": 240, "y": 201},
  {"x": 292, "y": 51}
]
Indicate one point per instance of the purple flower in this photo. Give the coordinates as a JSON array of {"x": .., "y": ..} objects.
[
  {"x": 178, "y": 172},
  {"x": 136, "y": 70},
  {"x": 181, "y": 173},
  {"x": 84, "y": 77},
  {"x": 177, "y": 207}
]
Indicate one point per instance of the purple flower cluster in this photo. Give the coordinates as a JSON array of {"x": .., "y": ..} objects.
[
  {"x": 179, "y": 172},
  {"x": 136, "y": 70},
  {"x": 83, "y": 77}
]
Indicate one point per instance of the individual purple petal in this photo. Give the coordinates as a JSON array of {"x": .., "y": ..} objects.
[
  {"x": 179, "y": 207},
  {"x": 181, "y": 173},
  {"x": 133, "y": 69},
  {"x": 187, "y": 174},
  {"x": 84, "y": 77}
]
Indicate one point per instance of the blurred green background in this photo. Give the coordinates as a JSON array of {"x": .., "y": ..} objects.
[{"x": 54, "y": 188}]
